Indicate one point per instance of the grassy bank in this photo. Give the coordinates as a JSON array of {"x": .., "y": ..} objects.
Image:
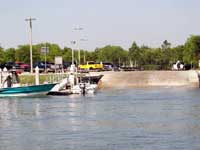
[{"x": 29, "y": 79}]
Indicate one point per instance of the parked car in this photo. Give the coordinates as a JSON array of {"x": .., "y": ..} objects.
[
  {"x": 188, "y": 66},
  {"x": 8, "y": 65},
  {"x": 50, "y": 67},
  {"x": 66, "y": 66},
  {"x": 40, "y": 65},
  {"x": 12, "y": 66},
  {"x": 91, "y": 65},
  {"x": 116, "y": 68},
  {"x": 25, "y": 67},
  {"x": 107, "y": 66}
]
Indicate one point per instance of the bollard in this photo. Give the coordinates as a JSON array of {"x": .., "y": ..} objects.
[
  {"x": 0, "y": 77},
  {"x": 71, "y": 79},
  {"x": 198, "y": 74},
  {"x": 199, "y": 79},
  {"x": 72, "y": 68},
  {"x": 5, "y": 69},
  {"x": 37, "y": 76},
  {"x": 4, "y": 75}
]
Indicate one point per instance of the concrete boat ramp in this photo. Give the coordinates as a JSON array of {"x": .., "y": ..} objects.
[{"x": 148, "y": 79}]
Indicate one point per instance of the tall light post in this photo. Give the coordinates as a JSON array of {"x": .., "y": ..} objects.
[
  {"x": 31, "y": 57},
  {"x": 84, "y": 40},
  {"x": 45, "y": 50},
  {"x": 73, "y": 43},
  {"x": 72, "y": 68},
  {"x": 79, "y": 55}
]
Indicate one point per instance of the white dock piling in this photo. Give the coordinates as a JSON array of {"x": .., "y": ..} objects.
[{"x": 37, "y": 76}]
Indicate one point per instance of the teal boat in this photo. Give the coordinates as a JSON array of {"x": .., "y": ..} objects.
[{"x": 26, "y": 90}]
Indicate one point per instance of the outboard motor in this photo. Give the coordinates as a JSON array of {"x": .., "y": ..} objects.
[{"x": 83, "y": 88}]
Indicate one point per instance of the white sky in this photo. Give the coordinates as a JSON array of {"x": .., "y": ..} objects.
[{"x": 114, "y": 22}]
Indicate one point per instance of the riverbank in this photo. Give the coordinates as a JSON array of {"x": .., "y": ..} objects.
[
  {"x": 113, "y": 79},
  {"x": 148, "y": 79}
]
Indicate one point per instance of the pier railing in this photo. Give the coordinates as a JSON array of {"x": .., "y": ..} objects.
[{"x": 54, "y": 77}]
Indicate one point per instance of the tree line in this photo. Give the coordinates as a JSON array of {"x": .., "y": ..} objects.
[{"x": 140, "y": 56}]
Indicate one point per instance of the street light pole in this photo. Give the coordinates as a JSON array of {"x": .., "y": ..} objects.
[
  {"x": 45, "y": 58},
  {"x": 45, "y": 50},
  {"x": 72, "y": 68},
  {"x": 84, "y": 40},
  {"x": 79, "y": 55},
  {"x": 73, "y": 42},
  {"x": 31, "y": 57}
]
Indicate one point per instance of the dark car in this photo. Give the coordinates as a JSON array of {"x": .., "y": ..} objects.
[
  {"x": 66, "y": 65},
  {"x": 188, "y": 66},
  {"x": 9, "y": 65},
  {"x": 107, "y": 66},
  {"x": 40, "y": 65},
  {"x": 50, "y": 67}
]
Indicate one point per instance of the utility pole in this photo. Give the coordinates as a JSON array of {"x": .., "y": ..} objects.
[{"x": 31, "y": 57}]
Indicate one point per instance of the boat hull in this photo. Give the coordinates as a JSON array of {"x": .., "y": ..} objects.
[
  {"x": 26, "y": 90},
  {"x": 91, "y": 79}
]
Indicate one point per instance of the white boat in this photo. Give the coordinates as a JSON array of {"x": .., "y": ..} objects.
[
  {"x": 84, "y": 88},
  {"x": 75, "y": 84}
]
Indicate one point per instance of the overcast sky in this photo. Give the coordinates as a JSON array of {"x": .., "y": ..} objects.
[{"x": 114, "y": 22}]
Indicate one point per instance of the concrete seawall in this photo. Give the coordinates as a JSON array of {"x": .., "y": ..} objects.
[{"x": 148, "y": 79}]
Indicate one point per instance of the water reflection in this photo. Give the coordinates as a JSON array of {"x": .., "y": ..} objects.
[
  {"x": 8, "y": 109},
  {"x": 115, "y": 119}
]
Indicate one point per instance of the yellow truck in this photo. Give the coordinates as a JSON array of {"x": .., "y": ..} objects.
[{"x": 91, "y": 65}]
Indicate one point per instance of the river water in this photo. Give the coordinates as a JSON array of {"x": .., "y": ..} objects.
[{"x": 120, "y": 119}]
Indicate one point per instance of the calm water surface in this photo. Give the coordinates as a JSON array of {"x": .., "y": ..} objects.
[{"x": 139, "y": 119}]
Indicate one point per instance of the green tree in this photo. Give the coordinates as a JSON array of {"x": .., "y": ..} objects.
[
  {"x": 147, "y": 55},
  {"x": 111, "y": 54},
  {"x": 10, "y": 55},
  {"x": 165, "y": 55},
  {"x": 23, "y": 53},
  {"x": 135, "y": 53},
  {"x": 192, "y": 50},
  {"x": 2, "y": 58},
  {"x": 165, "y": 45},
  {"x": 67, "y": 54},
  {"x": 177, "y": 53},
  {"x": 54, "y": 50}
]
